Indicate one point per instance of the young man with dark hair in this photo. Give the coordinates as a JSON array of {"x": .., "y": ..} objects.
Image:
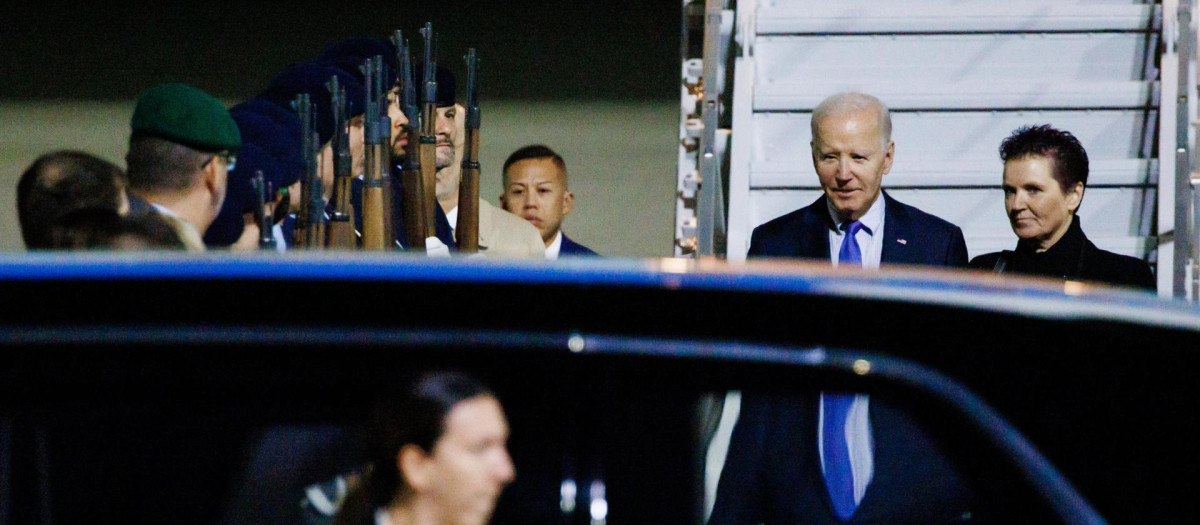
[
  {"x": 61, "y": 182},
  {"x": 535, "y": 188}
]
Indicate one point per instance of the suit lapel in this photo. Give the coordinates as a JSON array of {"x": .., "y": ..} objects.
[
  {"x": 814, "y": 233},
  {"x": 899, "y": 245}
]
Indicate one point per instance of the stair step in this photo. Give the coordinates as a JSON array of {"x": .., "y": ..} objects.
[
  {"x": 861, "y": 16},
  {"x": 983, "y": 173}
]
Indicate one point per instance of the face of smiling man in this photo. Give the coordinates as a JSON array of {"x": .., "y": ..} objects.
[{"x": 851, "y": 155}]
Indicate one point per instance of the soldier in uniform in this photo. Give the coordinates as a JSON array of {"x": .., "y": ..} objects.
[{"x": 183, "y": 145}]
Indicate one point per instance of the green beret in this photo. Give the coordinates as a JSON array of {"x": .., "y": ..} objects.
[{"x": 189, "y": 116}]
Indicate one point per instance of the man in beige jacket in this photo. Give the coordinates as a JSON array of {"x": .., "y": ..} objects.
[{"x": 501, "y": 234}]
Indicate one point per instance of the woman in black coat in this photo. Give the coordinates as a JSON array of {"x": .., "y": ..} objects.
[{"x": 1045, "y": 175}]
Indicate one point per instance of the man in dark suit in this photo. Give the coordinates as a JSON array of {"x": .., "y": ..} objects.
[
  {"x": 835, "y": 457},
  {"x": 535, "y": 188}
]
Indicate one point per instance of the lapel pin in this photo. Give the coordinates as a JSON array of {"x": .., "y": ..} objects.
[{"x": 902, "y": 241}]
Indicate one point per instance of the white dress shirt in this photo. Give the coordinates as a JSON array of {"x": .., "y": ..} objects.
[
  {"x": 555, "y": 247},
  {"x": 870, "y": 238}
]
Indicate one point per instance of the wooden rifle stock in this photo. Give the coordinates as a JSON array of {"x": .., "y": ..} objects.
[
  {"x": 413, "y": 183},
  {"x": 340, "y": 229},
  {"x": 467, "y": 231},
  {"x": 316, "y": 203},
  {"x": 373, "y": 234}
]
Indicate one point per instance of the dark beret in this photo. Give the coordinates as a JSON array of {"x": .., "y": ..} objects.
[
  {"x": 349, "y": 55},
  {"x": 240, "y": 196},
  {"x": 184, "y": 114},
  {"x": 271, "y": 140},
  {"x": 312, "y": 79},
  {"x": 447, "y": 85},
  {"x": 282, "y": 140}
]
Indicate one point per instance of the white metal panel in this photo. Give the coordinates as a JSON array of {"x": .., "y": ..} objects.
[
  {"x": 740, "y": 159},
  {"x": 873, "y": 16},
  {"x": 933, "y": 94},
  {"x": 958, "y": 136},
  {"x": 1110, "y": 213},
  {"x": 1047, "y": 58},
  {"x": 1169, "y": 73},
  {"x": 931, "y": 172}
]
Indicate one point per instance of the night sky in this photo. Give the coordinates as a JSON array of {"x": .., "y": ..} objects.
[{"x": 529, "y": 50}]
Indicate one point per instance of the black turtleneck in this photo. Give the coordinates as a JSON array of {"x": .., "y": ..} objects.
[
  {"x": 1073, "y": 257},
  {"x": 1062, "y": 260}
]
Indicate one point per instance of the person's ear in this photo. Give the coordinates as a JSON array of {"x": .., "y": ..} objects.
[
  {"x": 209, "y": 175},
  {"x": 888, "y": 157},
  {"x": 416, "y": 467},
  {"x": 568, "y": 203},
  {"x": 504, "y": 203},
  {"x": 1075, "y": 197}
]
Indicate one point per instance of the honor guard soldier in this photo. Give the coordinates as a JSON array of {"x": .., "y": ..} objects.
[{"x": 180, "y": 152}]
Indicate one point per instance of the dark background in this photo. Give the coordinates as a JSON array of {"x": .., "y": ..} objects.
[{"x": 529, "y": 49}]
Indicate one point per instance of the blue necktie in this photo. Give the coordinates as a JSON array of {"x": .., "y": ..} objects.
[
  {"x": 839, "y": 476},
  {"x": 849, "y": 253}
]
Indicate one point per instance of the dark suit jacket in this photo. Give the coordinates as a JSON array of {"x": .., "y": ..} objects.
[
  {"x": 911, "y": 236},
  {"x": 574, "y": 249},
  {"x": 772, "y": 472}
]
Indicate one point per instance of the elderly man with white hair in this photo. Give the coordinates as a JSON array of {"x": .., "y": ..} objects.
[{"x": 843, "y": 456}]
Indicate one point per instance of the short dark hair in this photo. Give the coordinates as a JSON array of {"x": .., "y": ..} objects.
[
  {"x": 104, "y": 229},
  {"x": 535, "y": 151},
  {"x": 1070, "y": 159},
  {"x": 416, "y": 415},
  {"x": 156, "y": 163},
  {"x": 60, "y": 182}
]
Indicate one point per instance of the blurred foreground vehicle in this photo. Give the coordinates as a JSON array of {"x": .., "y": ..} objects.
[{"x": 152, "y": 389}]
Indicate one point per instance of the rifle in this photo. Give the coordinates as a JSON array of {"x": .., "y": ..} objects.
[
  {"x": 377, "y": 198},
  {"x": 316, "y": 200},
  {"x": 383, "y": 155},
  {"x": 266, "y": 241},
  {"x": 340, "y": 229},
  {"x": 303, "y": 108},
  {"x": 467, "y": 232},
  {"x": 428, "y": 147},
  {"x": 410, "y": 177}
]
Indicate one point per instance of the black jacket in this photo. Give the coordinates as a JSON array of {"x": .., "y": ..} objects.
[{"x": 1073, "y": 258}]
